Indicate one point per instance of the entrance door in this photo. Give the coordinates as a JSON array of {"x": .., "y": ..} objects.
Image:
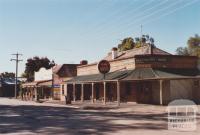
[{"x": 144, "y": 92}]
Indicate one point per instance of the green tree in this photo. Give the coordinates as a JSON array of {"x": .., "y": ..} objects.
[
  {"x": 129, "y": 43},
  {"x": 194, "y": 45},
  {"x": 126, "y": 44},
  {"x": 34, "y": 64},
  {"x": 192, "y": 49},
  {"x": 182, "y": 51},
  {"x": 7, "y": 75}
]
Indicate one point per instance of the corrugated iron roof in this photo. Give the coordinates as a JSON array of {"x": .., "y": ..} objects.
[
  {"x": 139, "y": 74},
  {"x": 137, "y": 51}
]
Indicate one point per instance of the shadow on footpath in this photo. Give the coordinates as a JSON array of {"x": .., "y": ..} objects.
[{"x": 61, "y": 120}]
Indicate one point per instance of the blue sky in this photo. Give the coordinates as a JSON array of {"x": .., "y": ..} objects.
[{"x": 69, "y": 31}]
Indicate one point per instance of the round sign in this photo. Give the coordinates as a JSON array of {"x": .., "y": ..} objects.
[{"x": 104, "y": 66}]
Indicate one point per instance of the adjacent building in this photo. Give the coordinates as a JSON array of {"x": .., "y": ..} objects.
[
  {"x": 7, "y": 87},
  {"x": 48, "y": 81}
]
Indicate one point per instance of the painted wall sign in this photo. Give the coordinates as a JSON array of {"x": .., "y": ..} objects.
[
  {"x": 104, "y": 66},
  {"x": 150, "y": 60},
  {"x": 43, "y": 74}
]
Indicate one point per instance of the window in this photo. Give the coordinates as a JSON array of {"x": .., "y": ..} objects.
[
  {"x": 128, "y": 88},
  {"x": 63, "y": 89}
]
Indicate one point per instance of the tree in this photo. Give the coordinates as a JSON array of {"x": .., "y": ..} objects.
[
  {"x": 194, "y": 45},
  {"x": 126, "y": 44},
  {"x": 7, "y": 75},
  {"x": 182, "y": 51},
  {"x": 192, "y": 49},
  {"x": 129, "y": 43},
  {"x": 34, "y": 64},
  {"x": 144, "y": 40}
]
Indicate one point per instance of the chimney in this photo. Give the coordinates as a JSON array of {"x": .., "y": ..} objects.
[
  {"x": 84, "y": 62},
  {"x": 114, "y": 53}
]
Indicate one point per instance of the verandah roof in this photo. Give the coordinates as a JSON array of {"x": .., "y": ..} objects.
[
  {"x": 100, "y": 77},
  {"x": 37, "y": 83},
  {"x": 139, "y": 74}
]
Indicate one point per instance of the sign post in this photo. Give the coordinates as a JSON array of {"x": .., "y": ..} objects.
[{"x": 104, "y": 67}]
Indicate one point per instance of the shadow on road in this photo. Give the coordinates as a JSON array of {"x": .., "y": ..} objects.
[{"x": 61, "y": 120}]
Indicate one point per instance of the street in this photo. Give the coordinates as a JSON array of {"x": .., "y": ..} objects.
[{"x": 28, "y": 118}]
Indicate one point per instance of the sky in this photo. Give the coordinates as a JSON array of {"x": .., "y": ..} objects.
[{"x": 68, "y": 31}]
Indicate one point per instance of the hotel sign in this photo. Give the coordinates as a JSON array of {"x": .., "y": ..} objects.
[
  {"x": 43, "y": 74},
  {"x": 151, "y": 60},
  {"x": 104, "y": 66}
]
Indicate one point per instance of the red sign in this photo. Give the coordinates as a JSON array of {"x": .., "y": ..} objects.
[{"x": 104, "y": 66}]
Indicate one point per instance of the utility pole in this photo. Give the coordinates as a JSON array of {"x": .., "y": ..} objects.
[{"x": 16, "y": 73}]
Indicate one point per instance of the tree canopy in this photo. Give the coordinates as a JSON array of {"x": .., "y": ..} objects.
[
  {"x": 192, "y": 49},
  {"x": 129, "y": 43},
  {"x": 34, "y": 64},
  {"x": 7, "y": 75}
]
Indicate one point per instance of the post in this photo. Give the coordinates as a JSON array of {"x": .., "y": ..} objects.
[
  {"x": 36, "y": 94},
  {"x": 82, "y": 92},
  {"x": 104, "y": 89},
  {"x": 118, "y": 93},
  {"x": 32, "y": 90},
  {"x": 92, "y": 93},
  {"x": 74, "y": 92},
  {"x": 161, "y": 90},
  {"x": 66, "y": 88},
  {"x": 16, "y": 72}
]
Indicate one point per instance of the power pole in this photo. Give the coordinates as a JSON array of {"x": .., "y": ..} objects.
[{"x": 16, "y": 73}]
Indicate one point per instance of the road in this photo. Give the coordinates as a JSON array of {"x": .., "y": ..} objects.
[{"x": 30, "y": 118}]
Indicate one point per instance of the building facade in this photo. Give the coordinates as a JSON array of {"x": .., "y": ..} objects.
[
  {"x": 144, "y": 75},
  {"x": 47, "y": 82}
]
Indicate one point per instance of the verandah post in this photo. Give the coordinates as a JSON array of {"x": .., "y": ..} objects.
[
  {"x": 82, "y": 92},
  {"x": 104, "y": 89},
  {"x": 74, "y": 92},
  {"x": 118, "y": 93},
  {"x": 92, "y": 97},
  {"x": 161, "y": 92}
]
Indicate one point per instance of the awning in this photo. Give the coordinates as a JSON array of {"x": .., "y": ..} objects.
[
  {"x": 161, "y": 73},
  {"x": 100, "y": 77},
  {"x": 46, "y": 83},
  {"x": 37, "y": 83},
  {"x": 139, "y": 74}
]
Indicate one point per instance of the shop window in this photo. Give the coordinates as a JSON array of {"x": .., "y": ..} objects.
[
  {"x": 128, "y": 89},
  {"x": 63, "y": 90}
]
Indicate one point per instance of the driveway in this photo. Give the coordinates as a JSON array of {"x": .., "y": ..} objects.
[{"x": 22, "y": 117}]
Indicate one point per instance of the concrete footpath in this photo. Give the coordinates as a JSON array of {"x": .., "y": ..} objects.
[{"x": 30, "y": 118}]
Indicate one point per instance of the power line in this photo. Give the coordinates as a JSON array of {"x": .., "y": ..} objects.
[
  {"x": 126, "y": 18},
  {"x": 145, "y": 17},
  {"x": 17, "y": 60},
  {"x": 100, "y": 25},
  {"x": 102, "y": 29},
  {"x": 171, "y": 12},
  {"x": 168, "y": 8}
]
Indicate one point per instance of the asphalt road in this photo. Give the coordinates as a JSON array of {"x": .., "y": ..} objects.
[{"x": 24, "y": 118}]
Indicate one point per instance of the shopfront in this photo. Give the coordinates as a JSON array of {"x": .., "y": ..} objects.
[{"x": 144, "y": 78}]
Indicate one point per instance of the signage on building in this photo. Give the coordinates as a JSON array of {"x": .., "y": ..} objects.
[
  {"x": 150, "y": 60},
  {"x": 104, "y": 66},
  {"x": 43, "y": 74}
]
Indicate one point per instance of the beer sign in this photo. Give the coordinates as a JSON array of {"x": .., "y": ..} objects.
[{"x": 104, "y": 66}]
